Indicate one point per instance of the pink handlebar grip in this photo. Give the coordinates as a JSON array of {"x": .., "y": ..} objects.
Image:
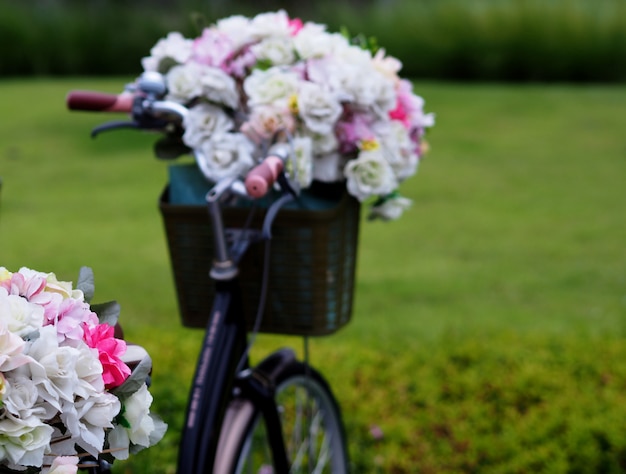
[
  {"x": 261, "y": 178},
  {"x": 99, "y": 101}
]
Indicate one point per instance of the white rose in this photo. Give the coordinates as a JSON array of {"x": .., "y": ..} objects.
[
  {"x": 174, "y": 47},
  {"x": 390, "y": 208},
  {"x": 21, "y": 396},
  {"x": 88, "y": 371},
  {"x": 203, "y": 122},
  {"x": 387, "y": 65},
  {"x": 399, "y": 150},
  {"x": 278, "y": 51},
  {"x": 337, "y": 75},
  {"x": 219, "y": 87},
  {"x": 300, "y": 164},
  {"x": 329, "y": 168},
  {"x": 269, "y": 24},
  {"x": 370, "y": 174},
  {"x": 18, "y": 315},
  {"x": 11, "y": 350},
  {"x": 265, "y": 121},
  {"x": 324, "y": 143},
  {"x": 237, "y": 28},
  {"x": 312, "y": 41},
  {"x": 183, "y": 82},
  {"x": 24, "y": 441},
  {"x": 318, "y": 107},
  {"x": 270, "y": 86},
  {"x": 54, "y": 367},
  {"x": 88, "y": 418},
  {"x": 143, "y": 430},
  {"x": 226, "y": 155},
  {"x": 371, "y": 89}
]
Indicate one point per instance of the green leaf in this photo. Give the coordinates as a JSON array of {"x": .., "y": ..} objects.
[
  {"x": 170, "y": 148},
  {"x": 86, "y": 283},
  {"x": 136, "y": 379},
  {"x": 108, "y": 313}
]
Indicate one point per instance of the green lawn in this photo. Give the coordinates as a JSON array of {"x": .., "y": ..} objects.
[{"x": 488, "y": 333}]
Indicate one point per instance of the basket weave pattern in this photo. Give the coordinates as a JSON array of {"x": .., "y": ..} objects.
[{"x": 312, "y": 266}]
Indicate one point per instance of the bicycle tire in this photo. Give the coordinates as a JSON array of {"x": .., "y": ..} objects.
[{"x": 244, "y": 447}]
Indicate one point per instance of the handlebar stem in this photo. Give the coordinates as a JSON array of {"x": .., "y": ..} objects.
[{"x": 223, "y": 268}]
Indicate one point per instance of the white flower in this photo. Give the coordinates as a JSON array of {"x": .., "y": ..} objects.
[
  {"x": 24, "y": 441},
  {"x": 19, "y": 315},
  {"x": 324, "y": 143},
  {"x": 266, "y": 121},
  {"x": 370, "y": 174},
  {"x": 387, "y": 65},
  {"x": 270, "y": 86},
  {"x": 270, "y": 24},
  {"x": 237, "y": 28},
  {"x": 143, "y": 430},
  {"x": 219, "y": 87},
  {"x": 87, "y": 419},
  {"x": 184, "y": 82},
  {"x": 173, "y": 47},
  {"x": 328, "y": 168},
  {"x": 11, "y": 350},
  {"x": 21, "y": 396},
  {"x": 88, "y": 371},
  {"x": 278, "y": 51},
  {"x": 390, "y": 208},
  {"x": 318, "y": 108},
  {"x": 372, "y": 89},
  {"x": 54, "y": 368},
  {"x": 227, "y": 155},
  {"x": 203, "y": 122},
  {"x": 399, "y": 150},
  {"x": 300, "y": 164},
  {"x": 312, "y": 41}
]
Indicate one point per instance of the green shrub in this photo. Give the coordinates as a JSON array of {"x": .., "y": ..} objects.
[{"x": 521, "y": 40}]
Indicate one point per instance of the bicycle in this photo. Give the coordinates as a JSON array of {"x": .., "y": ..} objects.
[{"x": 280, "y": 415}]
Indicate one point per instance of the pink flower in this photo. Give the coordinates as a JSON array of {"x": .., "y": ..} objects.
[
  {"x": 295, "y": 25},
  {"x": 352, "y": 130},
  {"x": 213, "y": 48},
  {"x": 64, "y": 465},
  {"x": 410, "y": 108},
  {"x": 110, "y": 350},
  {"x": 71, "y": 319},
  {"x": 20, "y": 285}
]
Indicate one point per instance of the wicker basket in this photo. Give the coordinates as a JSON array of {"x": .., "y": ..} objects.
[{"x": 313, "y": 259}]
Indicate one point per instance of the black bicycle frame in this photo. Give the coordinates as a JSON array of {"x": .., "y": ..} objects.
[
  {"x": 223, "y": 345},
  {"x": 223, "y": 348}
]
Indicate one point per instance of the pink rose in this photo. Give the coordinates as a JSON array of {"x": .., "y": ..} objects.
[
  {"x": 110, "y": 350},
  {"x": 20, "y": 285}
]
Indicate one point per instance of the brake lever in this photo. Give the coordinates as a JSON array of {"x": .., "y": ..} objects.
[
  {"x": 146, "y": 123},
  {"x": 116, "y": 125}
]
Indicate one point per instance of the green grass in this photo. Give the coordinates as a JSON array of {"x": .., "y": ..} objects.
[{"x": 488, "y": 333}]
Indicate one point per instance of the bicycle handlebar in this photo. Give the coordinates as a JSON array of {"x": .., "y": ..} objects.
[
  {"x": 261, "y": 178},
  {"x": 99, "y": 101},
  {"x": 148, "y": 112}
]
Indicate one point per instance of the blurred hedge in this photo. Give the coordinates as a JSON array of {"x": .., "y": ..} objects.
[{"x": 519, "y": 40}]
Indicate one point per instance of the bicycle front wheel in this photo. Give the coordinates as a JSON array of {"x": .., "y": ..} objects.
[{"x": 311, "y": 424}]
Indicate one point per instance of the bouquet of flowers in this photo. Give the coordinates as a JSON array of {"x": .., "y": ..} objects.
[
  {"x": 65, "y": 389},
  {"x": 342, "y": 106}
]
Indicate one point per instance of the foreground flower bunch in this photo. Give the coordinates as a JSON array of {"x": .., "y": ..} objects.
[
  {"x": 343, "y": 107},
  {"x": 65, "y": 391}
]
